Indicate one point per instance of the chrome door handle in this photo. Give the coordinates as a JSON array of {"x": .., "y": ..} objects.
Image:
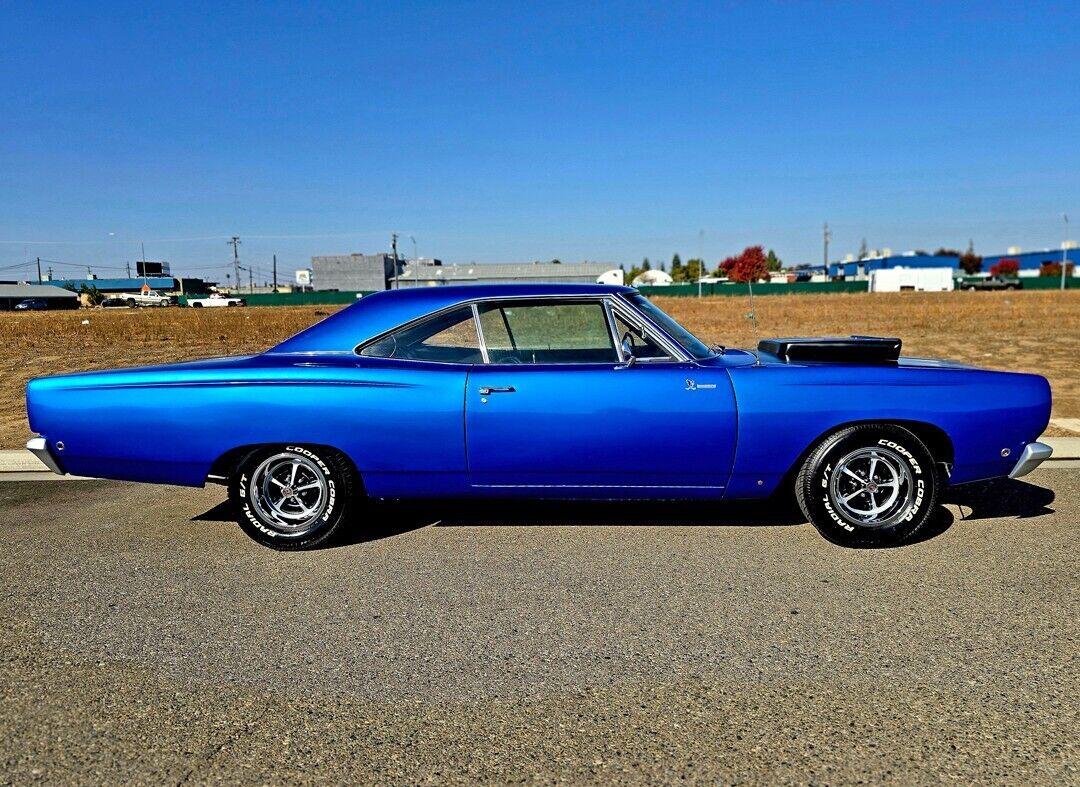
[{"x": 503, "y": 389}]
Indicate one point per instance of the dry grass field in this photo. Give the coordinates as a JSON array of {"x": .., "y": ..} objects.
[{"x": 1036, "y": 331}]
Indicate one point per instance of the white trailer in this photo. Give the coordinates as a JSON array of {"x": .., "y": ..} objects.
[{"x": 916, "y": 279}]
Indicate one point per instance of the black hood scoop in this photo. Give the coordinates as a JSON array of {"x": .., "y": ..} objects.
[{"x": 851, "y": 349}]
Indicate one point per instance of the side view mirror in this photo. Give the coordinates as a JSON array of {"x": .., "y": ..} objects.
[{"x": 628, "y": 350}]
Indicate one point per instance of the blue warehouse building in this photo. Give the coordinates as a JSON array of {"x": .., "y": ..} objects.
[
  {"x": 1033, "y": 260},
  {"x": 864, "y": 266}
]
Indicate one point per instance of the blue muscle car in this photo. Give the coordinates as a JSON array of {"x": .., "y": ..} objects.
[{"x": 555, "y": 391}]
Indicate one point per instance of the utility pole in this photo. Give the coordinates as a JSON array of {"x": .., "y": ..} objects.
[
  {"x": 235, "y": 241},
  {"x": 127, "y": 265},
  {"x": 251, "y": 281},
  {"x": 415, "y": 262},
  {"x": 39, "y": 270},
  {"x": 1064, "y": 250},
  {"x": 701, "y": 259},
  {"x": 393, "y": 245},
  {"x": 827, "y": 236},
  {"x": 275, "y": 273}
]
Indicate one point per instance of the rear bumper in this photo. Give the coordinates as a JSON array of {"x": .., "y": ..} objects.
[
  {"x": 1033, "y": 455},
  {"x": 39, "y": 447}
]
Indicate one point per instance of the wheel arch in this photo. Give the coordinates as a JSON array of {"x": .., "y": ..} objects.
[
  {"x": 936, "y": 440},
  {"x": 222, "y": 468}
]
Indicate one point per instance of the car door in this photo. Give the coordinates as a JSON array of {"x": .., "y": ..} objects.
[{"x": 556, "y": 408}]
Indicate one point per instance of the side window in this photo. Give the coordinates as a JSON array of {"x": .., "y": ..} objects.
[
  {"x": 547, "y": 333},
  {"x": 448, "y": 338},
  {"x": 645, "y": 349}
]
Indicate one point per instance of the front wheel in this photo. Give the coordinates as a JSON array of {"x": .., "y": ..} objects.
[
  {"x": 869, "y": 486},
  {"x": 293, "y": 497}
]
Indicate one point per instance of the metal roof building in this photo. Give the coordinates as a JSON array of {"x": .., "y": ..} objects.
[
  {"x": 426, "y": 275},
  {"x": 56, "y": 297},
  {"x": 864, "y": 266},
  {"x": 352, "y": 272},
  {"x": 1033, "y": 260},
  {"x": 161, "y": 283}
]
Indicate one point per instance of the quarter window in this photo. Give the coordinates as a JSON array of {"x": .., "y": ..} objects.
[
  {"x": 645, "y": 349},
  {"x": 547, "y": 333},
  {"x": 446, "y": 338}
]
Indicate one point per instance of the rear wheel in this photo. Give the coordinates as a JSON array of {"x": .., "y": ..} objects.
[
  {"x": 293, "y": 497},
  {"x": 867, "y": 486}
]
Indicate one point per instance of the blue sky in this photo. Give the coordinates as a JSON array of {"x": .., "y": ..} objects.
[{"x": 506, "y": 132}]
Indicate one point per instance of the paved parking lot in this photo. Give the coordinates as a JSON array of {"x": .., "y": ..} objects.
[{"x": 146, "y": 639}]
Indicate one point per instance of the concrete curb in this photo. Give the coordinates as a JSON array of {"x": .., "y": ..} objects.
[{"x": 21, "y": 465}]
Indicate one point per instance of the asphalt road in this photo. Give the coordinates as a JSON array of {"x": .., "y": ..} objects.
[{"x": 145, "y": 639}]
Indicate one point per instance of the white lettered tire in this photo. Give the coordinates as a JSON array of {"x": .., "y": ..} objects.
[
  {"x": 293, "y": 496},
  {"x": 869, "y": 486}
]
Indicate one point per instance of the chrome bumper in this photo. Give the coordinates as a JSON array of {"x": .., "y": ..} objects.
[
  {"x": 40, "y": 448},
  {"x": 1033, "y": 455}
]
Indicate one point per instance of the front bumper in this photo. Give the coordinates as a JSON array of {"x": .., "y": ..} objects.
[
  {"x": 1033, "y": 455},
  {"x": 39, "y": 447}
]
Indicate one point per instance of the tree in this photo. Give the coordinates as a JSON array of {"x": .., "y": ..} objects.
[
  {"x": 1054, "y": 269},
  {"x": 750, "y": 265},
  {"x": 864, "y": 250},
  {"x": 633, "y": 274},
  {"x": 970, "y": 262},
  {"x": 943, "y": 252},
  {"x": 677, "y": 269},
  {"x": 773, "y": 261},
  {"x": 695, "y": 269},
  {"x": 645, "y": 265},
  {"x": 1006, "y": 267}
]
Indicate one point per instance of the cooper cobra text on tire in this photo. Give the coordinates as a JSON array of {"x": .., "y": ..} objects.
[
  {"x": 293, "y": 497},
  {"x": 869, "y": 485}
]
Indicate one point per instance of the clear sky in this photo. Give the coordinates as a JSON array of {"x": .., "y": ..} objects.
[{"x": 509, "y": 132}]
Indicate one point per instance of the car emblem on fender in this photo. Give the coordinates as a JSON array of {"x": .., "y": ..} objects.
[{"x": 693, "y": 386}]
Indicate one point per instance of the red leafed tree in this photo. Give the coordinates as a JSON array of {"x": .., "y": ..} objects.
[
  {"x": 1006, "y": 267},
  {"x": 751, "y": 265}
]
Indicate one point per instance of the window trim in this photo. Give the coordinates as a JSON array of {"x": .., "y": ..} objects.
[
  {"x": 603, "y": 302},
  {"x": 610, "y": 301}
]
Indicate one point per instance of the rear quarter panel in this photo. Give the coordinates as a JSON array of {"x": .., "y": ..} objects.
[
  {"x": 168, "y": 425},
  {"x": 784, "y": 409}
]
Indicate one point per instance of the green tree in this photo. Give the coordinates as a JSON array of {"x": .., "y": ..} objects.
[
  {"x": 645, "y": 265},
  {"x": 678, "y": 270},
  {"x": 864, "y": 250},
  {"x": 695, "y": 269},
  {"x": 773, "y": 261}
]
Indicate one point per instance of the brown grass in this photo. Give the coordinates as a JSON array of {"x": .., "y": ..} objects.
[{"x": 1036, "y": 331}]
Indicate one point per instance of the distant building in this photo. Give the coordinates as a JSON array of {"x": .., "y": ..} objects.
[
  {"x": 352, "y": 272},
  {"x": 852, "y": 267},
  {"x": 107, "y": 286},
  {"x": 56, "y": 297},
  {"x": 1031, "y": 261},
  {"x": 653, "y": 278},
  {"x": 431, "y": 273}
]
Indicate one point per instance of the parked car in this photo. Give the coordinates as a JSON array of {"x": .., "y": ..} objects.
[
  {"x": 546, "y": 391},
  {"x": 32, "y": 305},
  {"x": 992, "y": 283},
  {"x": 148, "y": 298},
  {"x": 115, "y": 303},
  {"x": 216, "y": 299}
]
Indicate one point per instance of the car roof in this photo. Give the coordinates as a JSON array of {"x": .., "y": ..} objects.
[{"x": 383, "y": 311}]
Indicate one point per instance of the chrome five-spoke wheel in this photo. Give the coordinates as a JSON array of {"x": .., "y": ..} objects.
[
  {"x": 871, "y": 486},
  {"x": 293, "y": 496},
  {"x": 289, "y": 492}
]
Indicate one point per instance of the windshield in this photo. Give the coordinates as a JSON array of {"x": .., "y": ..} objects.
[{"x": 690, "y": 343}]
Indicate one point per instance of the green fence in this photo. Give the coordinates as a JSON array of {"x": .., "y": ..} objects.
[
  {"x": 290, "y": 298},
  {"x": 761, "y": 288}
]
